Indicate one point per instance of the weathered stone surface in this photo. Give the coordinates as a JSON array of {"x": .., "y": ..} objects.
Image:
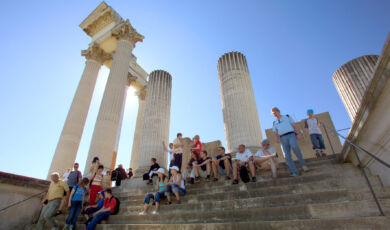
[
  {"x": 352, "y": 79},
  {"x": 240, "y": 117}
]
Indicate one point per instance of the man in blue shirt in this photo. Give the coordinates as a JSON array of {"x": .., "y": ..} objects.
[{"x": 286, "y": 133}]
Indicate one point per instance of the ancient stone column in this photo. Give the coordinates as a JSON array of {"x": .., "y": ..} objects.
[
  {"x": 351, "y": 81},
  {"x": 66, "y": 151},
  {"x": 107, "y": 127},
  {"x": 155, "y": 125},
  {"x": 241, "y": 120},
  {"x": 141, "y": 93}
]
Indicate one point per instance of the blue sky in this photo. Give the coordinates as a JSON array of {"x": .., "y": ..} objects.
[{"x": 292, "y": 49}]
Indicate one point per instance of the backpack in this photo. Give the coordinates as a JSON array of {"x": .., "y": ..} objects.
[
  {"x": 114, "y": 175},
  {"x": 118, "y": 203},
  {"x": 244, "y": 174}
]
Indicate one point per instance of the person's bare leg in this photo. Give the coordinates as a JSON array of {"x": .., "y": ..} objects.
[
  {"x": 177, "y": 196},
  {"x": 226, "y": 162},
  {"x": 196, "y": 170},
  {"x": 157, "y": 206},
  {"x": 273, "y": 168},
  {"x": 235, "y": 171},
  {"x": 208, "y": 168},
  {"x": 146, "y": 207},
  {"x": 252, "y": 168},
  {"x": 215, "y": 168},
  {"x": 169, "y": 198}
]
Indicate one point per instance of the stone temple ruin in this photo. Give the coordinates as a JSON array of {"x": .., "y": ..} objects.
[{"x": 332, "y": 195}]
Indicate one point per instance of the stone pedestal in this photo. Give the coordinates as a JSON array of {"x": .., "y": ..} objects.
[
  {"x": 155, "y": 124},
  {"x": 107, "y": 127},
  {"x": 351, "y": 81},
  {"x": 66, "y": 151},
  {"x": 241, "y": 120},
  {"x": 138, "y": 129}
]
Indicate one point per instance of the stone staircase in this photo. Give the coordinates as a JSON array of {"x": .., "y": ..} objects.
[{"x": 329, "y": 196}]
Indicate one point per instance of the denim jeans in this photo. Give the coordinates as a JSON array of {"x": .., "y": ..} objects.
[
  {"x": 317, "y": 141},
  {"x": 156, "y": 197},
  {"x": 289, "y": 142},
  {"x": 178, "y": 159},
  {"x": 47, "y": 214},
  {"x": 174, "y": 188},
  {"x": 74, "y": 212},
  {"x": 96, "y": 220}
]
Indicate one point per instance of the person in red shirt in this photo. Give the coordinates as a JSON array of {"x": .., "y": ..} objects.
[
  {"x": 107, "y": 209},
  {"x": 197, "y": 145}
]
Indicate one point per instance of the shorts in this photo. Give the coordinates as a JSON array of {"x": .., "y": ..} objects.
[{"x": 222, "y": 171}]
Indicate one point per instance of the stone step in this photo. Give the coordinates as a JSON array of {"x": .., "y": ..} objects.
[
  {"x": 354, "y": 223},
  {"x": 222, "y": 185},
  {"x": 358, "y": 223},
  {"x": 313, "y": 163},
  {"x": 262, "y": 198},
  {"x": 235, "y": 193},
  {"x": 359, "y": 208}
]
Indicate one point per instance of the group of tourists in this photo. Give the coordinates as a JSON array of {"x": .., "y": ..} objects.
[
  {"x": 73, "y": 190},
  {"x": 243, "y": 164}
]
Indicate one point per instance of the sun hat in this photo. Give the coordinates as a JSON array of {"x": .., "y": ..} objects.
[
  {"x": 161, "y": 170},
  {"x": 175, "y": 168}
]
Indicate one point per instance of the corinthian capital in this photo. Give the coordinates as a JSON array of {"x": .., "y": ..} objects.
[
  {"x": 141, "y": 93},
  {"x": 95, "y": 53},
  {"x": 125, "y": 31}
]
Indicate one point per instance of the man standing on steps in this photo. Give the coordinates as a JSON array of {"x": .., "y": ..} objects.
[
  {"x": 244, "y": 158},
  {"x": 74, "y": 177},
  {"x": 312, "y": 125},
  {"x": 286, "y": 132},
  {"x": 178, "y": 150},
  {"x": 58, "y": 190}
]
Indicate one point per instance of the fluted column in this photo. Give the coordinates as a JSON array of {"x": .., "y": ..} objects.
[
  {"x": 351, "y": 81},
  {"x": 155, "y": 124},
  {"x": 67, "y": 147},
  {"x": 141, "y": 93},
  {"x": 241, "y": 120},
  {"x": 107, "y": 127}
]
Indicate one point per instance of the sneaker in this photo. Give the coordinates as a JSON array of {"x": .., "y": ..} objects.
[
  {"x": 254, "y": 179},
  {"x": 192, "y": 181},
  {"x": 208, "y": 177},
  {"x": 318, "y": 155},
  {"x": 323, "y": 154},
  {"x": 215, "y": 179},
  {"x": 155, "y": 213},
  {"x": 71, "y": 228},
  {"x": 178, "y": 202},
  {"x": 305, "y": 168},
  {"x": 197, "y": 179},
  {"x": 227, "y": 178},
  {"x": 235, "y": 182},
  {"x": 66, "y": 227},
  {"x": 293, "y": 175},
  {"x": 58, "y": 213},
  {"x": 142, "y": 213},
  {"x": 169, "y": 203}
]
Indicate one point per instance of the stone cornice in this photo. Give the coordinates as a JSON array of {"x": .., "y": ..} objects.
[
  {"x": 100, "y": 18},
  {"x": 125, "y": 31},
  {"x": 95, "y": 53}
]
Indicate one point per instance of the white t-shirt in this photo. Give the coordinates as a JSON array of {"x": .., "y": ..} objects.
[
  {"x": 260, "y": 152},
  {"x": 66, "y": 174},
  {"x": 312, "y": 125},
  {"x": 179, "y": 149},
  {"x": 244, "y": 157},
  {"x": 170, "y": 155}
]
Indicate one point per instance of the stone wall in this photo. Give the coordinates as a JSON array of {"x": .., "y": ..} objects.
[
  {"x": 305, "y": 143},
  {"x": 15, "y": 188},
  {"x": 210, "y": 147}
]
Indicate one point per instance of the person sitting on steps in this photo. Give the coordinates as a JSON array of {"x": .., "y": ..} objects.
[
  {"x": 152, "y": 171},
  {"x": 222, "y": 164},
  {"x": 160, "y": 193},
  {"x": 244, "y": 158},
  {"x": 109, "y": 206},
  {"x": 194, "y": 158},
  {"x": 90, "y": 209},
  {"x": 175, "y": 186},
  {"x": 266, "y": 154},
  {"x": 202, "y": 166}
]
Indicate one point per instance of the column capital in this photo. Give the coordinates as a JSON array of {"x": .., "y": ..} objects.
[
  {"x": 95, "y": 53},
  {"x": 125, "y": 31},
  {"x": 141, "y": 93}
]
